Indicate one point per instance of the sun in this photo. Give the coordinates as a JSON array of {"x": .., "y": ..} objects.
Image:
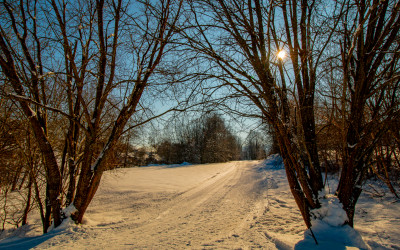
[{"x": 281, "y": 54}]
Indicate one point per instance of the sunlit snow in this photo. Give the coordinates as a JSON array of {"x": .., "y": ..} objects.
[{"x": 232, "y": 205}]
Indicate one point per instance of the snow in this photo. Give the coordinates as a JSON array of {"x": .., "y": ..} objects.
[
  {"x": 329, "y": 229},
  {"x": 331, "y": 237},
  {"x": 68, "y": 211},
  {"x": 231, "y": 205},
  {"x": 331, "y": 212},
  {"x": 351, "y": 146}
]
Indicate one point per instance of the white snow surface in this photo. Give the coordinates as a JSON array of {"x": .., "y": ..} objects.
[
  {"x": 234, "y": 205},
  {"x": 329, "y": 229}
]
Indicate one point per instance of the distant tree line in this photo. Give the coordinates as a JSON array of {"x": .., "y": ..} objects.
[
  {"x": 205, "y": 140},
  {"x": 208, "y": 139},
  {"x": 255, "y": 147}
]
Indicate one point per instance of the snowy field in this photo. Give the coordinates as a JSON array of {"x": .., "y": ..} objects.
[{"x": 235, "y": 205}]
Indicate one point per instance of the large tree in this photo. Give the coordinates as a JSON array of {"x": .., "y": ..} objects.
[
  {"x": 81, "y": 47},
  {"x": 238, "y": 41},
  {"x": 370, "y": 53}
]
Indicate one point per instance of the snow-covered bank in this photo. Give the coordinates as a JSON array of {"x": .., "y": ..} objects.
[{"x": 230, "y": 205}]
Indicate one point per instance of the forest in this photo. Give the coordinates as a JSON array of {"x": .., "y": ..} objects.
[{"x": 80, "y": 79}]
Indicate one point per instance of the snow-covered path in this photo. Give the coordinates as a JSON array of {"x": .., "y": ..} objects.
[
  {"x": 202, "y": 206},
  {"x": 235, "y": 205}
]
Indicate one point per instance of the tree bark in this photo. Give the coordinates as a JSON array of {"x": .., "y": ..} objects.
[{"x": 28, "y": 202}]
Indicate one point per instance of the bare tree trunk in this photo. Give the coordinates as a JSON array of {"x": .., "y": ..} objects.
[
  {"x": 48, "y": 209},
  {"x": 23, "y": 179},
  {"x": 16, "y": 178},
  {"x": 28, "y": 202},
  {"x": 72, "y": 182},
  {"x": 369, "y": 76},
  {"x": 40, "y": 204},
  {"x": 290, "y": 161},
  {"x": 85, "y": 195},
  {"x": 37, "y": 119},
  {"x": 298, "y": 36}
]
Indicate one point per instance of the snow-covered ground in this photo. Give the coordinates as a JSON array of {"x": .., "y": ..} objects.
[{"x": 213, "y": 206}]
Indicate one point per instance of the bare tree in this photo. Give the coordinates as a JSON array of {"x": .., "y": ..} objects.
[
  {"x": 239, "y": 41},
  {"x": 24, "y": 71},
  {"x": 370, "y": 101},
  {"x": 244, "y": 60},
  {"x": 87, "y": 39}
]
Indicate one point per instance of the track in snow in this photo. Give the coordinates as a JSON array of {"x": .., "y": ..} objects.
[
  {"x": 200, "y": 206},
  {"x": 235, "y": 205}
]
